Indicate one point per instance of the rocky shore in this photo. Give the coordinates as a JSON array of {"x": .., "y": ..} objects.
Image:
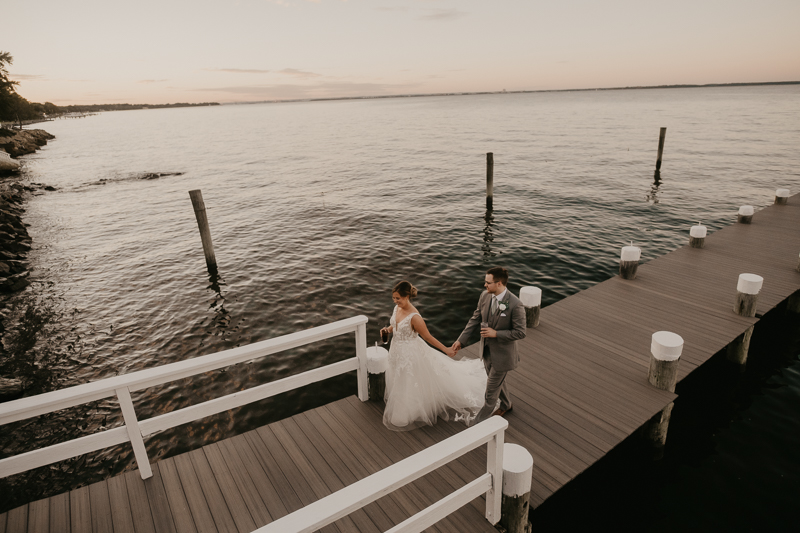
[
  {"x": 14, "y": 239},
  {"x": 21, "y": 142}
]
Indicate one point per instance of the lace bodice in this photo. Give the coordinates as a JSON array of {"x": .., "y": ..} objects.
[{"x": 403, "y": 332}]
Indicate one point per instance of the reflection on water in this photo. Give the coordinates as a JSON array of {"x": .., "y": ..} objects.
[
  {"x": 652, "y": 196},
  {"x": 220, "y": 321},
  {"x": 488, "y": 234}
]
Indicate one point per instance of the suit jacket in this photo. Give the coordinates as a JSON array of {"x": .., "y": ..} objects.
[{"x": 510, "y": 326}]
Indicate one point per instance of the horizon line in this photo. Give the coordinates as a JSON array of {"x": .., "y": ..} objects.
[{"x": 523, "y": 91}]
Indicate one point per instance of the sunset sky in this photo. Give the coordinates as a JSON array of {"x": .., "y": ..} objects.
[{"x": 147, "y": 51}]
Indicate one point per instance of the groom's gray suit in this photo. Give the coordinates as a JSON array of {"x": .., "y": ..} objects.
[{"x": 499, "y": 354}]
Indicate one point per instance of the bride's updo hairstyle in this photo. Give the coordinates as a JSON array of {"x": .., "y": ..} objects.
[{"x": 405, "y": 290}]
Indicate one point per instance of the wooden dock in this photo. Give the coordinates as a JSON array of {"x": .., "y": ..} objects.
[{"x": 580, "y": 390}]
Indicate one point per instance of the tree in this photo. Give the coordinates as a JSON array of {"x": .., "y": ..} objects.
[{"x": 7, "y": 92}]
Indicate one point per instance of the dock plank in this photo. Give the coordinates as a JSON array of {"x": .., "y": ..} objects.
[
  {"x": 244, "y": 483},
  {"x": 59, "y": 513},
  {"x": 17, "y": 521},
  {"x": 101, "y": 508},
  {"x": 80, "y": 511},
  {"x": 239, "y": 453},
  {"x": 139, "y": 504},
  {"x": 234, "y": 500},
  {"x": 290, "y": 470},
  {"x": 120, "y": 505},
  {"x": 214, "y": 498},
  {"x": 170, "y": 512},
  {"x": 39, "y": 516},
  {"x": 180, "y": 480}
]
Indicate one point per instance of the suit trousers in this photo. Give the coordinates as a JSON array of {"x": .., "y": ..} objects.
[{"x": 496, "y": 388}]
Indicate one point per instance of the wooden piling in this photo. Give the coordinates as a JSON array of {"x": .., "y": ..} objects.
[
  {"x": 205, "y": 232},
  {"x": 517, "y": 477},
  {"x": 377, "y": 363},
  {"x": 629, "y": 261},
  {"x": 782, "y": 196},
  {"x": 793, "y": 303},
  {"x": 489, "y": 180},
  {"x": 662, "y": 134},
  {"x": 697, "y": 236},
  {"x": 745, "y": 215},
  {"x": 531, "y": 298},
  {"x": 747, "y": 291},
  {"x": 739, "y": 347},
  {"x": 665, "y": 353}
]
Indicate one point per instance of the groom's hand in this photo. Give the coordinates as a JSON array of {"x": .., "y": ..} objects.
[
  {"x": 488, "y": 332},
  {"x": 456, "y": 347}
]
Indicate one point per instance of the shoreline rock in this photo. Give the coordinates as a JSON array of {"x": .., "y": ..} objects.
[
  {"x": 15, "y": 242},
  {"x": 22, "y": 142}
]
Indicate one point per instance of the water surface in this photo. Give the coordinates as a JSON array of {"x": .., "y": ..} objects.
[{"x": 318, "y": 208}]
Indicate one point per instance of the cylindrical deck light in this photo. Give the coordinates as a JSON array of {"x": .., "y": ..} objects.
[
  {"x": 697, "y": 236},
  {"x": 629, "y": 261},
  {"x": 531, "y": 298}
]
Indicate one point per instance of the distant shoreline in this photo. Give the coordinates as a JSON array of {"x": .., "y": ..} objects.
[{"x": 678, "y": 86}]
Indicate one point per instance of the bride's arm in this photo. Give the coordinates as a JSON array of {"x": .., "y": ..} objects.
[{"x": 419, "y": 326}]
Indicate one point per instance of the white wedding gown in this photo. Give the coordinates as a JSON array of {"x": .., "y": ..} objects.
[{"x": 423, "y": 384}]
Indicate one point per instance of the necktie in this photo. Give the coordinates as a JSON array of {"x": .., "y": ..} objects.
[{"x": 494, "y": 304}]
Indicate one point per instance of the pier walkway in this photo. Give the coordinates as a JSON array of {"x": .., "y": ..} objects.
[{"x": 580, "y": 390}]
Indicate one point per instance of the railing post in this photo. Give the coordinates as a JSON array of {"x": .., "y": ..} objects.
[
  {"x": 361, "y": 353},
  {"x": 494, "y": 466},
  {"x": 134, "y": 433}
]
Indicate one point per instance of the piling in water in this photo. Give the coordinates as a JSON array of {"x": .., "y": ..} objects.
[
  {"x": 489, "y": 180},
  {"x": 662, "y": 134},
  {"x": 205, "y": 232}
]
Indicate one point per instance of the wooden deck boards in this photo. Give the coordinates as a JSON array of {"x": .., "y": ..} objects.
[{"x": 580, "y": 390}]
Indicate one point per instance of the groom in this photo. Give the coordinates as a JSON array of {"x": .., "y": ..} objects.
[{"x": 505, "y": 316}]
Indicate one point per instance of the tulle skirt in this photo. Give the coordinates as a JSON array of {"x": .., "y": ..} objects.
[{"x": 423, "y": 385}]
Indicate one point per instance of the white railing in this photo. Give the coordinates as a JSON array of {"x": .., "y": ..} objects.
[
  {"x": 134, "y": 430},
  {"x": 361, "y": 493}
]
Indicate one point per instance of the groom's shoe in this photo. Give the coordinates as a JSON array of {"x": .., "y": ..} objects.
[{"x": 503, "y": 412}]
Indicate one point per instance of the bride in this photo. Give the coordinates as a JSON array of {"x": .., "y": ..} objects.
[{"x": 423, "y": 383}]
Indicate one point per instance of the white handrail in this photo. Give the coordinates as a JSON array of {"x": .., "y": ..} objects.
[
  {"x": 361, "y": 493},
  {"x": 134, "y": 430}
]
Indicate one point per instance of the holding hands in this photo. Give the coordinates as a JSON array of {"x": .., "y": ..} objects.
[{"x": 455, "y": 347}]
